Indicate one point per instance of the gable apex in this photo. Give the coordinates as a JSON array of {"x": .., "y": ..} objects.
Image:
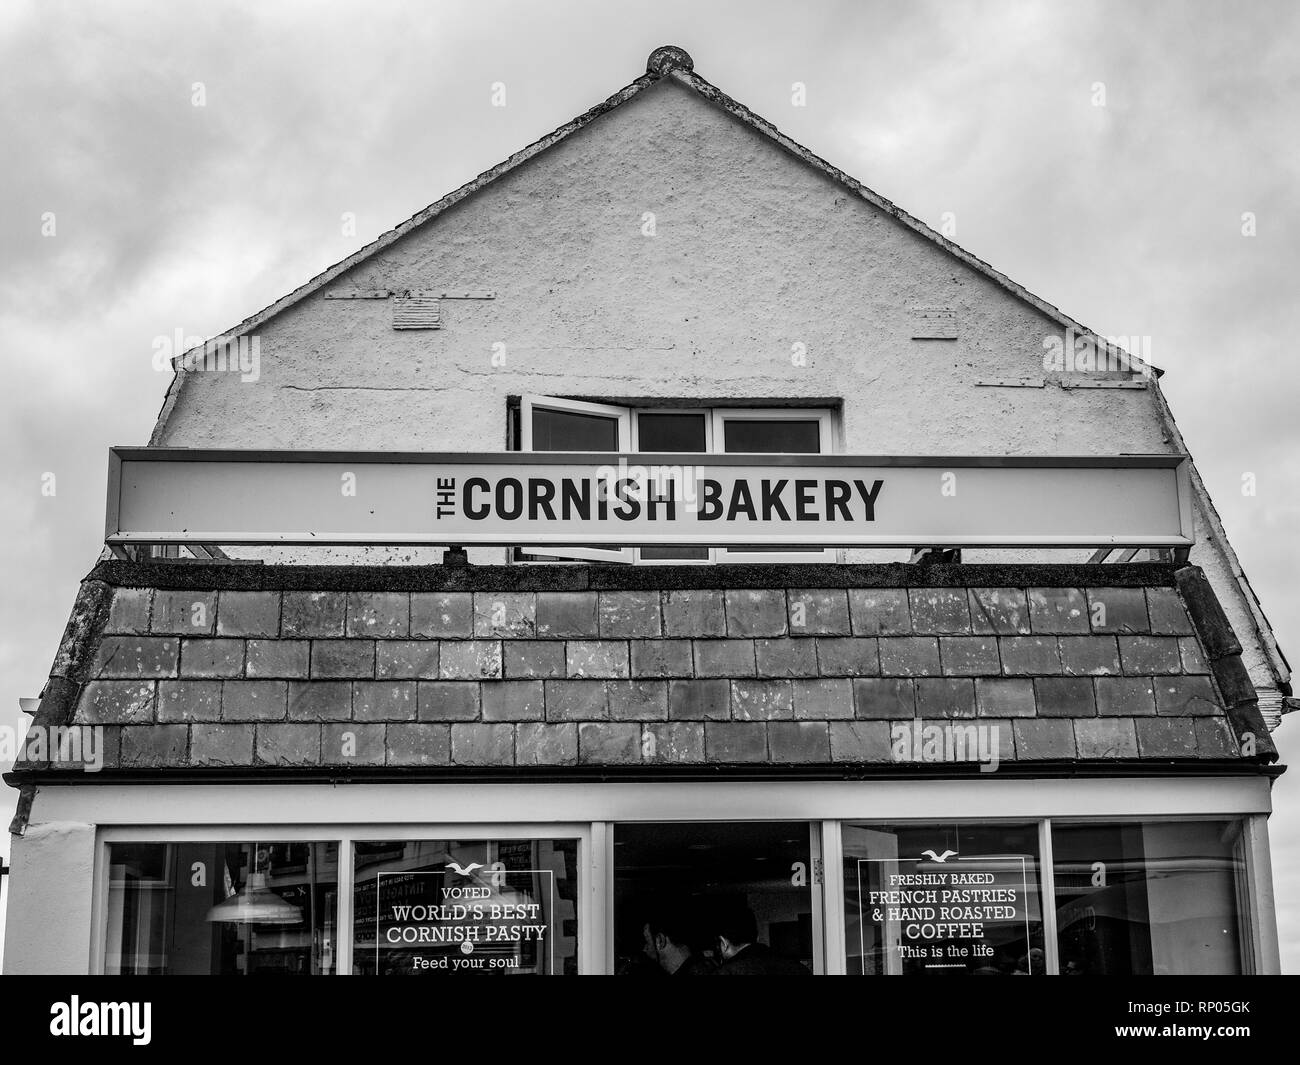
[
  {"x": 667, "y": 58},
  {"x": 665, "y": 62}
]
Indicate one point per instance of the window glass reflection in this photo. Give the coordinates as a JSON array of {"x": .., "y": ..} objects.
[
  {"x": 466, "y": 908},
  {"x": 942, "y": 900},
  {"x": 767, "y": 436},
  {"x": 703, "y": 899},
  {"x": 771, "y": 436},
  {"x": 566, "y": 430},
  {"x": 676, "y": 431},
  {"x": 221, "y": 908},
  {"x": 684, "y": 431},
  {"x": 1142, "y": 898}
]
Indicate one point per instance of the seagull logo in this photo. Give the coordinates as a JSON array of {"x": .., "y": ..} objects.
[
  {"x": 940, "y": 858},
  {"x": 464, "y": 870}
]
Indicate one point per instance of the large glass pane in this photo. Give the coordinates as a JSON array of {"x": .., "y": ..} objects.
[
  {"x": 1148, "y": 898},
  {"x": 769, "y": 436},
  {"x": 687, "y": 554},
  {"x": 680, "y": 890},
  {"x": 942, "y": 900},
  {"x": 566, "y": 430},
  {"x": 675, "y": 431},
  {"x": 466, "y": 907},
  {"x": 221, "y": 908}
]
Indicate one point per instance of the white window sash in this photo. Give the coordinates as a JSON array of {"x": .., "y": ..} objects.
[
  {"x": 827, "y": 445},
  {"x": 623, "y": 415},
  {"x": 704, "y": 458},
  {"x": 715, "y": 428}
]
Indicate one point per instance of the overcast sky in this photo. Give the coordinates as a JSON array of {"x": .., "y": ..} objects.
[{"x": 169, "y": 216}]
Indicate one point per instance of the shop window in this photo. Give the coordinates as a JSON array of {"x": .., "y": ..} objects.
[
  {"x": 690, "y": 897},
  {"x": 1143, "y": 898},
  {"x": 221, "y": 909},
  {"x": 552, "y": 424},
  {"x": 942, "y": 900},
  {"x": 466, "y": 907}
]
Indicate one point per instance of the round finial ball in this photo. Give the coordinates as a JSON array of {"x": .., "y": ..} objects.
[{"x": 667, "y": 58}]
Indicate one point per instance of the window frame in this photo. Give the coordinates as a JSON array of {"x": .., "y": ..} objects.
[
  {"x": 276, "y": 812},
  {"x": 834, "y": 878},
  {"x": 590, "y": 909},
  {"x": 638, "y": 560},
  {"x": 715, "y": 419},
  {"x": 107, "y": 835},
  {"x": 828, "y": 444},
  {"x": 1256, "y": 955},
  {"x": 529, "y": 403},
  {"x": 1254, "y": 946},
  {"x": 819, "y": 898}
]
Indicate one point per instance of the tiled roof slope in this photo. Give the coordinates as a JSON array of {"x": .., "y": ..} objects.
[{"x": 204, "y": 667}]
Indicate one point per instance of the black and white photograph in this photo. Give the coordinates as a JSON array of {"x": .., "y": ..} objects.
[{"x": 648, "y": 489}]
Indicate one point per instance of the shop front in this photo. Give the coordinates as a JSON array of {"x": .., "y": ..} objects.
[{"x": 1124, "y": 896}]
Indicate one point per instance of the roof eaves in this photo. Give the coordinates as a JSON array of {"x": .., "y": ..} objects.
[
  {"x": 1223, "y": 653},
  {"x": 248, "y": 576}
]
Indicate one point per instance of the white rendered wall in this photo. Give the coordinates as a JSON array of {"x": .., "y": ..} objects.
[{"x": 49, "y": 898}]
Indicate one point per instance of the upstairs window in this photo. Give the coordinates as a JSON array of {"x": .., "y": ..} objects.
[{"x": 551, "y": 424}]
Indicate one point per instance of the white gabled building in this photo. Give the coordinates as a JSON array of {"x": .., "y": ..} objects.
[{"x": 550, "y": 731}]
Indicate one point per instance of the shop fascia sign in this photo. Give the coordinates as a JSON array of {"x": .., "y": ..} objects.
[{"x": 200, "y": 496}]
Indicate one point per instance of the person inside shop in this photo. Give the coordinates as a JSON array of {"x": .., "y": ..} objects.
[
  {"x": 740, "y": 952},
  {"x": 668, "y": 933},
  {"x": 1033, "y": 962}
]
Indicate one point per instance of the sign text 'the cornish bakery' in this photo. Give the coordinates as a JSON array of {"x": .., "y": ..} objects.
[{"x": 161, "y": 495}]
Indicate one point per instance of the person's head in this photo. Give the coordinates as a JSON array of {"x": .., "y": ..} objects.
[
  {"x": 667, "y": 937},
  {"x": 736, "y": 929}
]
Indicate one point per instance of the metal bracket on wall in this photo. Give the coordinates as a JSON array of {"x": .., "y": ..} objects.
[
  {"x": 1011, "y": 382},
  {"x": 1122, "y": 554},
  {"x": 169, "y": 553},
  {"x": 931, "y": 556},
  {"x": 418, "y": 293},
  {"x": 1178, "y": 555},
  {"x": 1140, "y": 383}
]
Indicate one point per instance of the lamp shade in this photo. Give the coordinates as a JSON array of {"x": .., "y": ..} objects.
[{"x": 256, "y": 904}]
